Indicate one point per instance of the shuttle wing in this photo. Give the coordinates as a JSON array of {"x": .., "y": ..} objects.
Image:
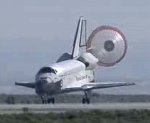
[
  {"x": 101, "y": 85},
  {"x": 28, "y": 84}
]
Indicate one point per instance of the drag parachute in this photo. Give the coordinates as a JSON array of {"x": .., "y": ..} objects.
[{"x": 108, "y": 44}]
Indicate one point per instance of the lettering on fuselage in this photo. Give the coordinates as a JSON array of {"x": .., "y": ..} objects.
[{"x": 81, "y": 78}]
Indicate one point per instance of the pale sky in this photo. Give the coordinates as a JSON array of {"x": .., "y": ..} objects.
[{"x": 34, "y": 33}]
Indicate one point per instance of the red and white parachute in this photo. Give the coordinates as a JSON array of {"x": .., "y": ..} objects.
[{"x": 108, "y": 44}]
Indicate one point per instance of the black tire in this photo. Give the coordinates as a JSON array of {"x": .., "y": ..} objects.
[
  {"x": 49, "y": 101},
  {"x": 53, "y": 100},
  {"x": 83, "y": 101},
  {"x": 44, "y": 101},
  {"x": 88, "y": 101}
]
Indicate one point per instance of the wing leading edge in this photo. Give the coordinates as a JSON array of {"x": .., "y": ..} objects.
[
  {"x": 100, "y": 85},
  {"x": 28, "y": 84}
]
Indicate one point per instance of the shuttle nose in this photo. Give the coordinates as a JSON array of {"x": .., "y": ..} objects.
[
  {"x": 44, "y": 86},
  {"x": 53, "y": 87},
  {"x": 41, "y": 82},
  {"x": 39, "y": 88}
]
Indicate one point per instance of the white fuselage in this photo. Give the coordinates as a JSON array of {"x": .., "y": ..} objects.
[{"x": 65, "y": 76}]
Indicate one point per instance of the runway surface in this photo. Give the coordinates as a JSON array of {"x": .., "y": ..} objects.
[{"x": 58, "y": 108}]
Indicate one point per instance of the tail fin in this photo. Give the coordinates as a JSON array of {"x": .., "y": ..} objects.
[{"x": 78, "y": 36}]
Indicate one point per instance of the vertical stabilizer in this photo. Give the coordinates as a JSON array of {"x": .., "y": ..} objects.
[{"x": 77, "y": 39}]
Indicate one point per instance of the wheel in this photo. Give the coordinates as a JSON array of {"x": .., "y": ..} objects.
[
  {"x": 51, "y": 100},
  {"x": 83, "y": 101},
  {"x": 44, "y": 101},
  {"x": 88, "y": 101}
]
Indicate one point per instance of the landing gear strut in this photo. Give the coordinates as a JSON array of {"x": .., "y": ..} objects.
[
  {"x": 86, "y": 100},
  {"x": 47, "y": 100}
]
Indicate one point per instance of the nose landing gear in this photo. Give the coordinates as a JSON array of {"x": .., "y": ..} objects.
[
  {"x": 48, "y": 100},
  {"x": 51, "y": 100}
]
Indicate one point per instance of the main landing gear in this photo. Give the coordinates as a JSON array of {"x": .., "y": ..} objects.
[
  {"x": 48, "y": 100},
  {"x": 86, "y": 100}
]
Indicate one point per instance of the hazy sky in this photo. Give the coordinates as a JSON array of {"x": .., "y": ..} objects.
[{"x": 34, "y": 33}]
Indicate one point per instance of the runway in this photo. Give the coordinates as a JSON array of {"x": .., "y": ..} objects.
[{"x": 58, "y": 108}]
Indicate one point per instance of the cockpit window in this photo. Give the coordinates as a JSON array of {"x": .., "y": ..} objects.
[{"x": 46, "y": 70}]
